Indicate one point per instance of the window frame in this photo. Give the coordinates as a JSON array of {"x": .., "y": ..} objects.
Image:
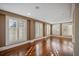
[
  {"x": 39, "y": 23},
  {"x": 8, "y": 17},
  {"x": 62, "y": 29}
]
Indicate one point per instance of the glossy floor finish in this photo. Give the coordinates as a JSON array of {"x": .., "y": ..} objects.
[
  {"x": 56, "y": 49},
  {"x": 48, "y": 47},
  {"x": 67, "y": 48}
]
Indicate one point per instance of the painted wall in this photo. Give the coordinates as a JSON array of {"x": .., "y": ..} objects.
[{"x": 76, "y": 30}]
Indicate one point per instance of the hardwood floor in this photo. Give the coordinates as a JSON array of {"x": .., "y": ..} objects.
[
  {"x": 41, "y": 47},
  {"x": 67, "y": 48}
]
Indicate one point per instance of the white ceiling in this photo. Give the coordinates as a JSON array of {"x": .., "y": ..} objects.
[{"x": 51, "y": 12}]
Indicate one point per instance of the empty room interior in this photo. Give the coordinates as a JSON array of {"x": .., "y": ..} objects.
[{"x": 39, "y": 29}]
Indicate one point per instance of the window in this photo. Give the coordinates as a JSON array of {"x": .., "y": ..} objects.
[
  {"x": 15, "y": 30},
  {"x": 38, "y": 29},
  {"x": 48, "y": 29},
  {"x": 56, "y": 29},
  {"x": 12, "y": 27},
  {"x": 22, "y": 30},
  {"x": 67, "y": 29}
]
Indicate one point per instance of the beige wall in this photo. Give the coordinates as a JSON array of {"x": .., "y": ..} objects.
[{"x": 76, "y": 30}]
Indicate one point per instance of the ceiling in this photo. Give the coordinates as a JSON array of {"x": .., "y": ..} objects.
[{"x": 51, "y": 12}]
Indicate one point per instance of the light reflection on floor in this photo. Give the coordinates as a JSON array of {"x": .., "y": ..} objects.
[{"x": 67, "y": 47}]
